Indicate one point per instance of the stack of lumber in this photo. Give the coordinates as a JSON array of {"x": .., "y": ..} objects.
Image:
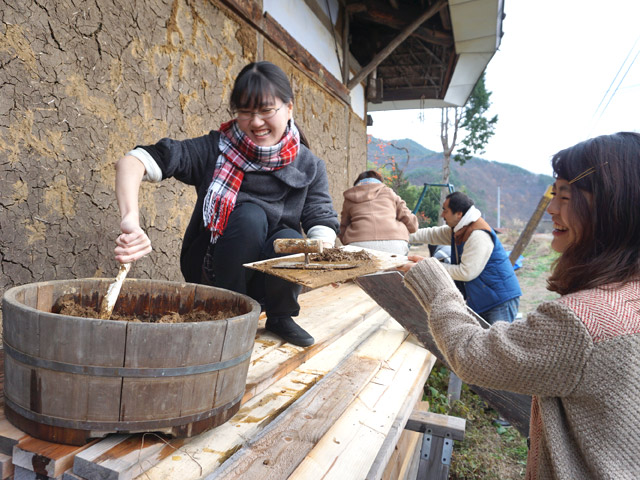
[{"x": 332, "y": 410}]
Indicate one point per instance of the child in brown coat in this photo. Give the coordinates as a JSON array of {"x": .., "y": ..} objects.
[{"x": 374, "y": 216}]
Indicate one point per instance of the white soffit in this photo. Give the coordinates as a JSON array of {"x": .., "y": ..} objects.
[
  {"x": 358, "y": 100},
  {"x": 303, "y": 25}
]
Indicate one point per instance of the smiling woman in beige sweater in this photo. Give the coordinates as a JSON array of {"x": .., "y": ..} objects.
[
  {"x": 374, "y": 216},
  {"x": 579, "y": 355}
]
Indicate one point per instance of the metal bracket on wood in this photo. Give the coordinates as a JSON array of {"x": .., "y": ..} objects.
[
  {"x": 447, "y": 451},
  {"x": 426, "y": 446},
  {"x": 439, "y": 432}
]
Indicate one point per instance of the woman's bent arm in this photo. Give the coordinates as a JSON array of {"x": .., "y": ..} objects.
[{"x": 133, "y": 243}]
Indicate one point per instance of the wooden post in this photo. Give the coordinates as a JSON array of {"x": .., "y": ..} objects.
[
  {"x": 527, "y": 233},
  {"x": 455, "y": 386},
  {"x": 345, "y": 47}
]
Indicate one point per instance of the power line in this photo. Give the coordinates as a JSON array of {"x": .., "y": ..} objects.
[
  {"x": 615, "y": 77},
  {"x": 618, "y": 86}
]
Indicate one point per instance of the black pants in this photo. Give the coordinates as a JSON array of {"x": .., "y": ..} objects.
[{"x": 247, "y": 239}]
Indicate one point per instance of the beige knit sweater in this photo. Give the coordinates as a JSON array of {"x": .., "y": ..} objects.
[{"x": 579, "y": 356}]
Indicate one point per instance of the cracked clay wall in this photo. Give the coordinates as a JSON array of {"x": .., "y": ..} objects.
[{"x": 83, "y": 82}]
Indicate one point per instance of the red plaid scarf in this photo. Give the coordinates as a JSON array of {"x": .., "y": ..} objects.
[{"x": 238, "y": 154}]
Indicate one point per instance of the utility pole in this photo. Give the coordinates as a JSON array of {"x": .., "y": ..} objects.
[
  {"x": 498, "y": 221},
  {"x": 527, "y": 233}
]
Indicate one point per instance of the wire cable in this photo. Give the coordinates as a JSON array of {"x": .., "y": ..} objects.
[{"x": 614, "y": 79}]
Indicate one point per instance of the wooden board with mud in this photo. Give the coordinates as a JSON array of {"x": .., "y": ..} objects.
[{"x": 365, "y": 261}]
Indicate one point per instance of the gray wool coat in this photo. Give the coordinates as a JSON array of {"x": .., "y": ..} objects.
[{"x": 296, "y": 196}]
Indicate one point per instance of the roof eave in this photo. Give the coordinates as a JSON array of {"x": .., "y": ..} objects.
[{"x": 477, "y": 32}]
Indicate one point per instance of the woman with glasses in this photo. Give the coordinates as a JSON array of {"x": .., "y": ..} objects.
[
  {"x": 256, "y": 181},
  {"x": 579, "y": 355}
]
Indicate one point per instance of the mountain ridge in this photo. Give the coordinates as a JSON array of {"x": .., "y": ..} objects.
[{"x": 520, "y": 190}]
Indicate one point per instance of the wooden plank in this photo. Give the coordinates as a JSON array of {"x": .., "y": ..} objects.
[
  {"x": 404, "y": 452},
  {"x": 96, "y": 451},
  {"x": 326, "y": 321},
  {"x": 339, "y": 294},
  {"x": 25, "y": 474},
  {"x": 340, "y": 453},
  {"x": 439, "y": 424},
  {"x": 388, "y": 447},
  {"x": 46, "y": 458},
  {"x": 283, "y": 445},
  {"x": 402, "y": 456},
  {"x": 309, "y": 302},
  {"x": 121, "y": 458},
  {"x": 212, "y": 448},
  {"x": 389, "y": 292},
  {"x": 68, "y": 475},
  {"x": 6, "y": 466},
  {"x": 277, "y": 451},
  {"x": 10, "y": 436},
  {"x": 318, "y": 278},
  {"x": 410, "y": 472}
]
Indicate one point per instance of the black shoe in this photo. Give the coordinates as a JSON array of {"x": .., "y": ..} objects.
[{"x": 289, "y": 331}]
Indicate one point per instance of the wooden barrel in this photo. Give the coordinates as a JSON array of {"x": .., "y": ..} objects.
[{"x": 68, "y": 379}]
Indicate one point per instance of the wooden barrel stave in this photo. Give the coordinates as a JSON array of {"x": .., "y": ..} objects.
[{"x": 180, "y": 405}]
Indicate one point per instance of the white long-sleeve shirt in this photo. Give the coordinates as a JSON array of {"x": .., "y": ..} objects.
[{"x": 476, "y": 253}]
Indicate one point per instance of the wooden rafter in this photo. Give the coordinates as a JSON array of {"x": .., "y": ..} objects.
[
  {"x": 379, "y": 13},
  {"x": 385, "y": 52}
]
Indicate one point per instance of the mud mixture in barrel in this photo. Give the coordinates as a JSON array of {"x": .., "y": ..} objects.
[{"x": 71, "y": 308}]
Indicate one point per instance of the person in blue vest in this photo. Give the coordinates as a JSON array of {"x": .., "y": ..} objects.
[{"x": 479, "y": 265}]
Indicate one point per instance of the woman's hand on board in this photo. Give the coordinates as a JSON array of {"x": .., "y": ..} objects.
[
  {"x": 133, "y": 243},
  {"x": 413, "y": 260}
]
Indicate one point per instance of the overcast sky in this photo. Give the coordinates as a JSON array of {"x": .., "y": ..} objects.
[{"x": 556, "y": 80}]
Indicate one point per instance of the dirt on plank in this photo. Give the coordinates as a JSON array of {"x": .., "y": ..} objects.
[
  {"x": 358, "y": 263},
  {"x": 336, "y": 255}
]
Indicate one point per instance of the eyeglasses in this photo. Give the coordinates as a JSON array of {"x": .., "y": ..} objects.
[{"x": 263, "y": 114}]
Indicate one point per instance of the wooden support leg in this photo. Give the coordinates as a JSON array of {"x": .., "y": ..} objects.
[
  {"x": 455, "y": 386},
  {"x": 435, "y": 457},
  {"x": 437, "y": 444}
]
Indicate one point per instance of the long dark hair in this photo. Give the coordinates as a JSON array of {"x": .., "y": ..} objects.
[
  {"x": 257, "y": 84},
  {"x": 607, "y": 247}
]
